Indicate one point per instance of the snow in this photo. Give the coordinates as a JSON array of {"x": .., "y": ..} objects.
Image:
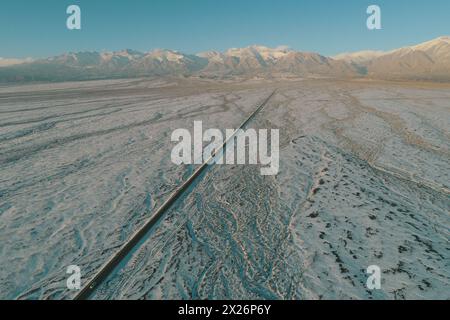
[
  {"x": 363, "y": 181},
  {"x": 268, "y": 54}
]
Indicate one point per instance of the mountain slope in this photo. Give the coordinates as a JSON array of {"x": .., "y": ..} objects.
[{"x": 429, "y": 60}]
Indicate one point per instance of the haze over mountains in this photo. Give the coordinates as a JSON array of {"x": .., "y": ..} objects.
[
  {"x": 427, "y": 61},
  {"x": 11, "y": 62}
]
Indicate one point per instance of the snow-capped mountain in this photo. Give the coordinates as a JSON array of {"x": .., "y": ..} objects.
[
  {"x": 259, "y": 59},
  {"x": 162, "y": 62},
  {"x": 249, "y": 61},
  {"x": 438, "y": 49},
  {"x": 429, "y": 60}
]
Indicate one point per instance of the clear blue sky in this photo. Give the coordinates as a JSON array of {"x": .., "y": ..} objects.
[{"x": 38, "y": 28}]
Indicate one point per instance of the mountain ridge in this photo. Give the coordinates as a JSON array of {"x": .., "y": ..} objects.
[{"x": 429, "y": 60}]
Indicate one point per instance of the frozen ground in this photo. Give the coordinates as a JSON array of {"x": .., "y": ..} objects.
[{"x": 364, "y": 180}]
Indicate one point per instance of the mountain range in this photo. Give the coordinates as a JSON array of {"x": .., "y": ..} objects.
[{"x": 426, "y": 61}]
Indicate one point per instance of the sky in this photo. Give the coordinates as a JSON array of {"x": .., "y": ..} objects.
[{"x": 38, "y": 28}]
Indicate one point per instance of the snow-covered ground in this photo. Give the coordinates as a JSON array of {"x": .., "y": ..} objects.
[{"x": 364, "y": 180}]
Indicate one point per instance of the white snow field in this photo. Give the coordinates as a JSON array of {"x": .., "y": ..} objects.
[{"x": 364, "y": 180}]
